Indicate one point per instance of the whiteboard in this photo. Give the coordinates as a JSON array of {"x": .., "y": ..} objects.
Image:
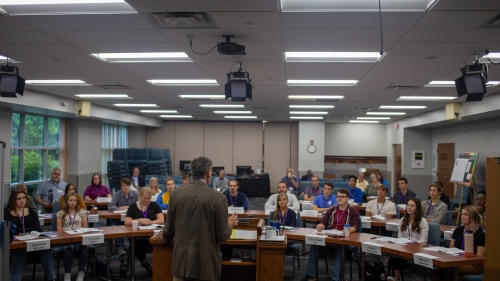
[{"x": 463, "y": 170}]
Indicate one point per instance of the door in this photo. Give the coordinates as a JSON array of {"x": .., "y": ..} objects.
[
  {"x": 446, "y": 160},
  {"x": 396, "y": 152}
]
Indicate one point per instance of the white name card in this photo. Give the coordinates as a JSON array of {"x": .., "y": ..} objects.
[
  {"x": 366, "y": 224},
  {"x": 315, "y": 240},
  {"x": 93, "y": 218},
  {"x": 372, "y": 248},
  {"x": 157, "y": 231},
  {"x": 268, "y": 211},
  {"x": 37, "y": 245},
  {"x": 423, "y": 260},
  {"x": 309, "y": 213},
  {"x": 103, "y": 199},
  {"x": 307, "y": 205},
  {"x": 237, "y": 210},
  {"x": 447, "y": 234},
  {"x": 392, "y": 226},
  {"x": 90, "y": 239},
  {"x": 123, "y": 216},
  {"x": 42, "y": 221}
]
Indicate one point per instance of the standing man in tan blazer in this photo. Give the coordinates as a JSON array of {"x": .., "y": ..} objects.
[{"x": 197, "y": 221}]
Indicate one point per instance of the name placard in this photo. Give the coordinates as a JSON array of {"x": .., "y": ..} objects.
[
  {"x": 93, "y": 218},
  {"x": 309, "y": 213},
  {"x": 268, "y": 211},
  {"x": 123, "y": 216},
  {"x": 372, "y": 248},
  {"x": 37, "y": 245},
  {"x": 42, "y": 221},
  {"x": 447, "y": 234},
  {"x": 103, "y": 199},
  {"x": 315, "y": 240},
  {"x": 90, "y": 239},
  {"x": 307, "y": 205},
  {"x": 366, "y": 224},
  {"x": 235, "y": 210},
  {"x": 392, "y": 226},
  {"x": 423, "y": 260}
]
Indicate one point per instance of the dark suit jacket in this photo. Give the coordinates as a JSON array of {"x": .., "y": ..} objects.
[{"x": 141, "y": 180}]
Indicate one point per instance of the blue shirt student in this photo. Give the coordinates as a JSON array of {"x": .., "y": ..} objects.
[
  {"x": 356, "y": 194},
  {"x": 323, "y": 202}
]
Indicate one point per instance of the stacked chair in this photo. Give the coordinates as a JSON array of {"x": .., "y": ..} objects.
[{"x": 117, "y": 168}]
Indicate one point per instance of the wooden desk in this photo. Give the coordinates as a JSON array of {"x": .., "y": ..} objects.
[{"x": 89, "y": 203}]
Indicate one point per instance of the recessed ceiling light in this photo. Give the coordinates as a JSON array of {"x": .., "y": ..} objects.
[
  {"x": 240, "y": 117},
  {"x": 312, "y": 106},
  {"x": 176, "y": 116},
  {"x": 307, "y": 117},
  {"x": 373, "y": 118},
  {"x": 452, "y": 84},
  {"x": 135, "y": 104},
  {"x": 57, "y": 83},
  {"x": 184, "y": 82},
  {"x": 385, "y": 113},
  {"x": 211, "y": 97},
  {"x": 222, "y": 105},
  {"x": 158, "y": 111},
  {"x": 309, "y": 112},
  {"x": 355, "y": 6},
  {"x": 311, "y": 97},
  {"x": 321, "y": 82},
  {"x": 232, "y": 112},
  {"x": 332, "y": 56},
  {"x": 424, "y": 98},
  {"x": 103, "y": 96},
  {"x": 142, "y": 57},
  {"x": 363, "y": 121},
  {"x": 402, "y": 107}
]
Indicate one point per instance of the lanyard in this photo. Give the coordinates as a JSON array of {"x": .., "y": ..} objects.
[
  {"x": 409, "y": 231},
  {"x": 378, "y": 210},
  {"x": 126, "y": 200},
  {"x": 21, "y": 218},
  {"x": 98, "y": 189},
  {"x": 235, "y": 199},
  {"x": 282, "y": 218},
  {"x": 145, "y": 214},
  {"x": 338, "y": 218},
  {"x": 72, "y": 222},
  {"x": 431, "y": 207}
]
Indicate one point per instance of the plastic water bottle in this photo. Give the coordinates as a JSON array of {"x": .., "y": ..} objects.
[
  {"x": 469, "y": 243},
  {"x": 50, "y": 196},
  {"x": 347, "y": 230}
]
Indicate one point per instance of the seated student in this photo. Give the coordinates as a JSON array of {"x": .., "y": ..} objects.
[
  {"x": 314, "y": 190},
  {"x": 404, "y": 193},
  {"x": 434, "y": 209},
  {"x": 443, "y": 197},
  {"x": 146, "y": 213},
  {"x": 293, "y": 203},
  {"x": 371, "y": 190},
  {"x": 481, "y": 205},
  {"x": 71, "y": 188},
  {"x": 72, "y": 217},
  {"x": 25, "y": 220},
  {"x": 164, "y": 197},
  {"x": 326, "y": 200},
  {"x": 220, "y": 183},
  {"x": 334, "y": 218},
  {"x": 412, "y": 226},
  {"x": 96, "y": 189},
  {"x": 283, "y": 214},
  {"x": 137, "y": 179},
  {"x": 235, "y": 198},
  {"x": 29, "y": 200},
  {"x": 153, "y": 184},
  {"x": 471, "y": 221},
  {"x": 356, "y": 193},
  {"x": 361, "y": 183},
  {"x": 185, "y": 180},
  {"x": 381, "y": 206},
  {"x": 381, "y": 179},
  {"x": 308, "y": 176}
]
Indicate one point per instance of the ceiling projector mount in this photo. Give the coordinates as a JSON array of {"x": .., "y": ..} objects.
[
  {"x": 224, "y": 48},
  {"x": 473, "y": 80},
  {"x": 238, "y": 87},
  {"x": 10, "y": 81}
]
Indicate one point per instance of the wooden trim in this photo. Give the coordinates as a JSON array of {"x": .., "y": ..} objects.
[{"x": 356, "y": 159}]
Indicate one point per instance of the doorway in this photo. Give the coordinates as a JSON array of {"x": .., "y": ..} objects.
[
  {"x": 445, "y": 162},
  {"x": 396, "y": 152}
]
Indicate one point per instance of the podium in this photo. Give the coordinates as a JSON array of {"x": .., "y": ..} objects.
[{"x": 268, "y": 264}]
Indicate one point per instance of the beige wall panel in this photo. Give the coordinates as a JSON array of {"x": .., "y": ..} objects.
[
  {"x": 277, "y": 151},
  {"x": 188, "y": 142},
  {"x": 164, "y": 137},
  {"x": 247, "y": 145},
  {"x": 218, "y": 144}
]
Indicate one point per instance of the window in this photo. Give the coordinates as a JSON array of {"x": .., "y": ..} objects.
[
  {"x": 113, "y": 136},
  {"x": 35, "y": 149}
]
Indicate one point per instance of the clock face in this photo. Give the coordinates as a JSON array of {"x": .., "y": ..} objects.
[{"x": 311, "y": 148}]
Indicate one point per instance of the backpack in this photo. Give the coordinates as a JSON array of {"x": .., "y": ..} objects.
[{"x": 374, "y": 271}]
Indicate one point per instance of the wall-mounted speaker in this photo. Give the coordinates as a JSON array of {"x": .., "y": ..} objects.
[
  {"x": 83, "y": 108},
  {"x": 453, "y": 111}
]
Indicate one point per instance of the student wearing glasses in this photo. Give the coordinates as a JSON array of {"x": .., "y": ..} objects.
[
  {"x": 314, "y": 190},
  {"x": 335, "y": 218}
]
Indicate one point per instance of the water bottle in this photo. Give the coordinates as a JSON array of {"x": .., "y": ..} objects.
[
  {"x": 50, "y": 197},
  {"x": 347, "y": 230},
  {"x": 469, "y": 243}
]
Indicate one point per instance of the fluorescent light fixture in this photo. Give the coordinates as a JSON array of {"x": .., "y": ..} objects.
[
  {"x": 184, "y": 82},
  {"x": 312, "y": 106},
  {"x": 65, "y": 7},
  {"x": 332, "y": 56},
  {"x": 103, "y": 96},
  {"x": 232, "y": 112},
  {"x": 452, "y": 84},
  {"x": 363, "y": 121},
  {"x": 402, "y": 107},
  {"x": 57, "y": 83},
  {"x": 3, "y": 59},
  {"x": 309, "y": 112},
  {"x": 211, "y": 97},
  {"x": 492, "y": 83},
  {"x": 494, "y": 57},
  {"x": 385, "y": 113},
  {"x": 311, "y": 97},
  {"x": 307, "y": 117},
  {"x": 240, "y": 117},
  {"x": 222, "y": 105},
  {"x": 321, "y": 82},
  {"x": 373, "y": 118},
  {"x": 142, "y": 57},
  {"x": 48, "y": 2},
  {"x": 135, "y": 105},
  {"x": 424, "y": 98},
  {"x": 158, "y": 111},
  {"x": 176, "y": 116},
  {"x": 355, "y": 6}
]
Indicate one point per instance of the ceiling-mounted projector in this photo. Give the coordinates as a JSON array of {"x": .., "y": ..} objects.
[
  {"x": 10, "y": 81},
  {"x": 230, "y": 48},
  {"x": 238, "y": 87}
]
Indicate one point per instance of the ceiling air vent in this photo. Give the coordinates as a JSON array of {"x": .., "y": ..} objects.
[
  {"x": 402, "y": 88},
  {"x": 114, "y": 87},
  {"x": 182, "y": 20},
  {"x": 492, "y": 23}
]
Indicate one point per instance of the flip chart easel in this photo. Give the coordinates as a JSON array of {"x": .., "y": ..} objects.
[{"x": 463, "y": 174}]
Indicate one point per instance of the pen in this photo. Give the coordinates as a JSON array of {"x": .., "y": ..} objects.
[
  {"x": 425, "y": 245},
  {"x": 374, "y": 237}
]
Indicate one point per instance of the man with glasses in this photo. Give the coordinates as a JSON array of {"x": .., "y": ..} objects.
[
  {"x": 334, "y": 218},
  {"x": 356, "y": 193},
  {"x": 362, "y": 183},
  {"x": 314, "y": 190},
  {"x": 291, "y": 181},
  {"x": 50, "y": 191}
]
